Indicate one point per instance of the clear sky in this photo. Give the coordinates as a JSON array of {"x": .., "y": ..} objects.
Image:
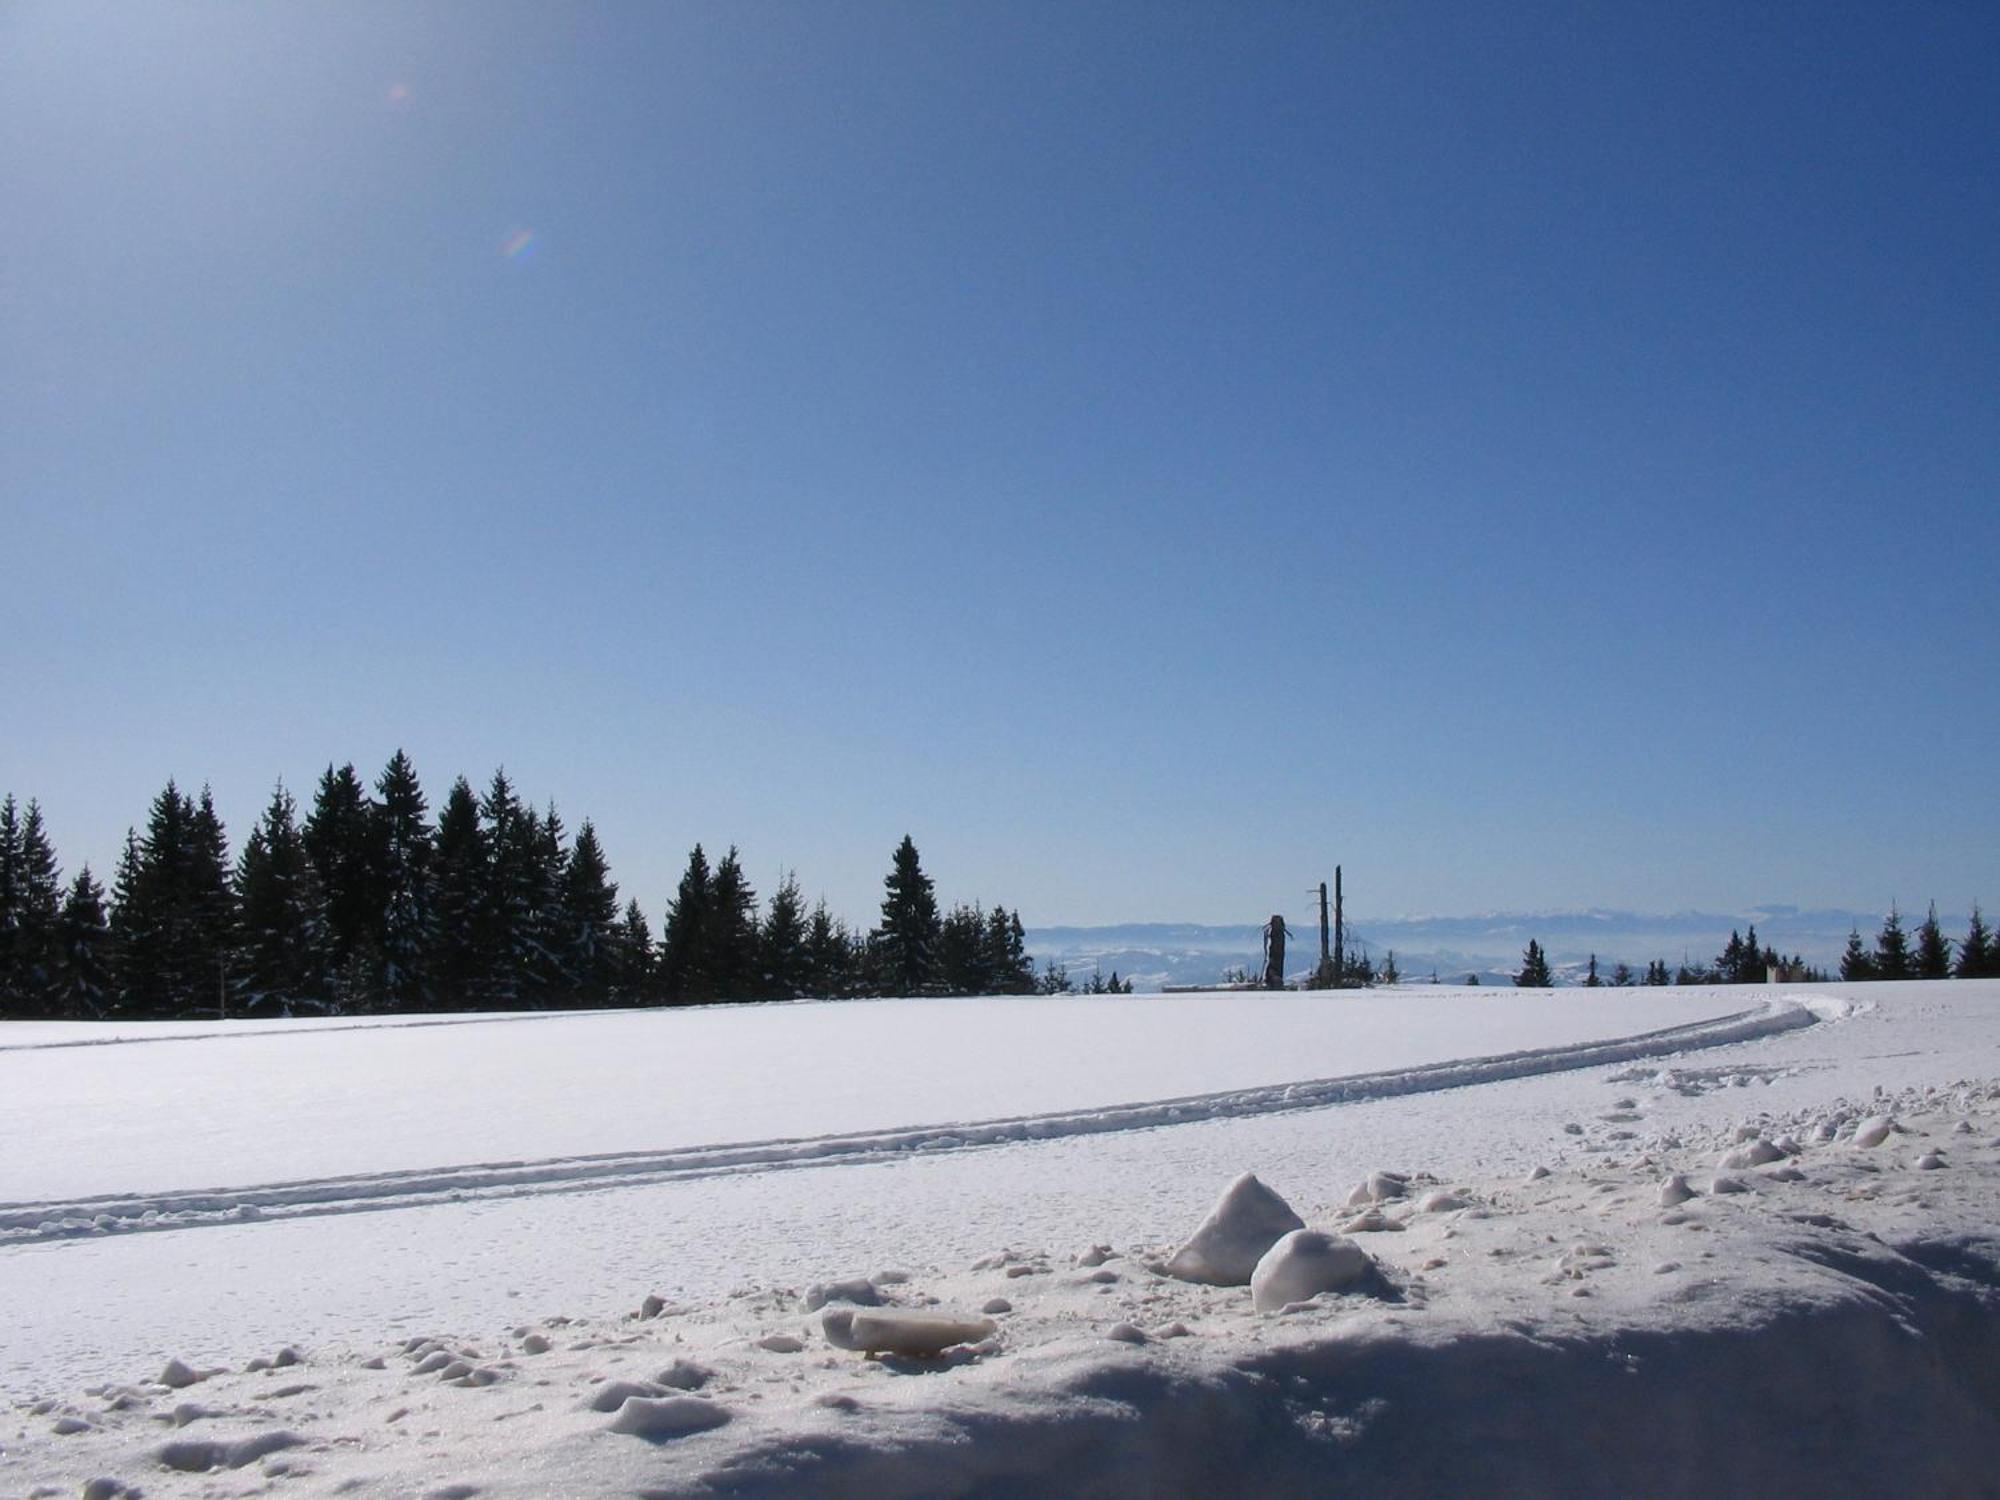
[{"x": 1535, "y": 455}]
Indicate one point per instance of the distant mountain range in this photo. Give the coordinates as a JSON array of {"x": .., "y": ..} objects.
[{"x": 1153, "y": 954}]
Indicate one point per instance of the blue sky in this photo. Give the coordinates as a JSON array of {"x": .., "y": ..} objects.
[{"x": 1537, "y": 456}]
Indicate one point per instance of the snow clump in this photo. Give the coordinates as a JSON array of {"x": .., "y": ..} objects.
[
  {"x": 1247, "y": 1220},
  {"x": 1303, "y": 1264}
]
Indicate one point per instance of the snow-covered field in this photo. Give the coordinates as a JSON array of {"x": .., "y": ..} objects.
[{"x": 456, "y": 1223}]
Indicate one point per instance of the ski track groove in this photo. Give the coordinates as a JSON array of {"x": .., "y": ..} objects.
[{"x": 93, "y": 1217}]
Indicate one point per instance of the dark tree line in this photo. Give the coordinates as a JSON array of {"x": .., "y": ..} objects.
[
  {"x": 367, "y": 904},
  {"x": 1742, "y": 961},
  {"x": 1896, "y": 955}
]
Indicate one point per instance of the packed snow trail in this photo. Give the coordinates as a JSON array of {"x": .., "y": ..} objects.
[{"x": 30, "y": 1223}]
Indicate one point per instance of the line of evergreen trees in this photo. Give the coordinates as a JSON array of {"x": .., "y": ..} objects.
[
  {"x": 1743, "y": 960},
  {"x": 367, "y": 905},
  {"x": 1895, "y": 956}
]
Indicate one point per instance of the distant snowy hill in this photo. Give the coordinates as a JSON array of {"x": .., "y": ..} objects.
[{"x": 1154, "y": 954}]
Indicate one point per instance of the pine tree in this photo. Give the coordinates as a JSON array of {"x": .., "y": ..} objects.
[
  {"x": 1729, "y": 965},
  {"x": 1892, "y": 950},
  {"x": 285, "y": 958},
  {"x": 340, "y": 836},
  {"x": 1590, "y": 979},
  {"x": 783, "y": 962},
  {"x": 1621, "y": 977},
  {"x": 408, "y": 922},
  {"x": 1933, "y": 957},
  {"x": 127, "y": 927},
  {"x": 908, "y": 936},
  {"x": 156, "y": 975},
  {"x": 211, "y": 907},
  {"x": 734, "y": 960},
  {"x": 1392, "y": 975},
  {"x": 38, "y": 952},
  {"x": 1656, "y": 972},
  {"x": 545, "y": 953},
  {"x": 633, "y": 978},
  {"x": 83, "y": 978},
  {"x": 685, "y": 977},
  {"x": 459, "y": 861},
  {"x": 830, "y": 963},
  {"x": 506, "y": 906},
  {"x": 961, "y": 952},
  {"x": 1534, "y": 973},
  {"x": 1010, "y": 970},
  {"x": 589, "y": 936},
  {"x": 12, "y": 901},
  {"x": 1976, "y": 956},
  {"x": 1856, "y": 962}
]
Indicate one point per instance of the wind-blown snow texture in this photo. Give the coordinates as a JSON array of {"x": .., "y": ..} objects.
[{"x": 626, "y": 1254}]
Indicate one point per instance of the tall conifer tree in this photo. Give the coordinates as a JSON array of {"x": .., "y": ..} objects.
[
  {"x": 1892, "y": 950},
  {"x": 83, "y": 978},
  {"x": 782, "y": 943},
  {"x": 685, "y": 947},
  {"x": 459, "y": 957},
  {"x": 1976, "y": 956},
  {"x": 339, "y": 835},
  {"x": 38, "y": 954},
  {"x": 1933, "y": 956},
  {"x": 285, "y": 961},
  {"x": 734, "y": 961},
  {"x": 633, "y": 983},
  {"x": 906, "y": 941},
  {"x": 589, "y": 932},
  {"x": 408, "y": 924}
]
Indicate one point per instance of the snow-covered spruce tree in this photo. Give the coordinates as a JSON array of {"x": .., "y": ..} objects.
[
  {"x": 734, "y": 961},
  {"x": 407, "y": 925},
  {"x": 589, "y": 934},
  {"x": 1976, "y": 956},
  {"x": 1534, "y": 973},
  {"x": 1933, "y": 958},
  {"x": 285, "y": 957},
  {"x": 458, "y": 885},
  {"x": 1892, "y": 950},
  {"x": 781, "y": 942},
  {"x": 907, "y": 939},
  {"x": 1590, "y": 979},
  {"x": 83, "y": 938},
  {"x": 684, "y": 974}
]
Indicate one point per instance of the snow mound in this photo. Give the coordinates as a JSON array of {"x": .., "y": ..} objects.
[
  {"x": 663, "y": 1418},
  {"x": 1305, "y": 1263},
  {"x": 1247, "y": 1220}
]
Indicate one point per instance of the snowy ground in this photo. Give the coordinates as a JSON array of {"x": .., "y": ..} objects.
[{"x": 417, "y": 1209}]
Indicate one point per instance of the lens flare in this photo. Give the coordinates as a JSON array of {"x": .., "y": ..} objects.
[
  {"x": 520, "y": 245},
  {"x": 399, "y": 93}
]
